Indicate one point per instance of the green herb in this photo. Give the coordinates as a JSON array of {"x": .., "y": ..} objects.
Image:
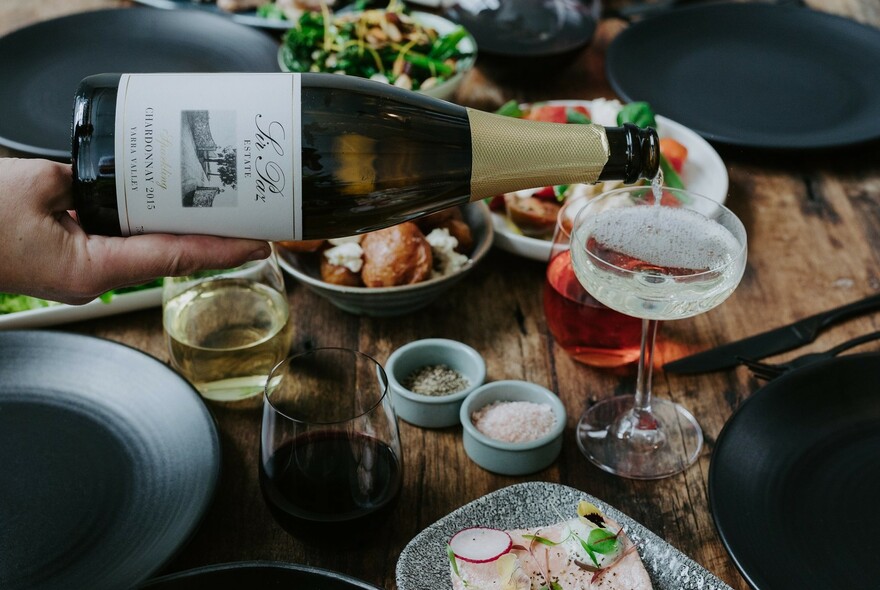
[
  {"x": 559, "y": 191},
  {"x": 10, "y": 303},
  {"x": 590, "y": 552},
  {"x": 510, "y": 109},
  {"x": 451, "y": 554},
  {"x": 271, "y": 11},
  {"x": 637, "y": 113},
  {"x": 541, "y": 540},
  {"x": 602, "y": 541},
  {"x": 670, "y": 176},
  {"x": 573, "y": 116}
]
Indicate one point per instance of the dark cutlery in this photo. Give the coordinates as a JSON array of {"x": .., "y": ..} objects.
[{"x": 772, "y": 342}]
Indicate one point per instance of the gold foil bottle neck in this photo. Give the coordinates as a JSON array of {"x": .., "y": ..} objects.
[{"x": 512, "y": 154}]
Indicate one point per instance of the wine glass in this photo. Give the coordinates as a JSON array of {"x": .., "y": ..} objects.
[
  {"x": 588, "y": 331},
  {"x": 655, "y": 256},
  {"x": 225, "y": 330},
  {"x": 330, "y": 456}
]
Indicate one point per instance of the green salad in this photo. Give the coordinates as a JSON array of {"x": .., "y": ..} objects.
[
  {"x": 387, "y": 45},
  {"x": 10, "y": 303}
]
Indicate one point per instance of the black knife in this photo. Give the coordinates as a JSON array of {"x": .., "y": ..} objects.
[{"x": 772, "y": 342}]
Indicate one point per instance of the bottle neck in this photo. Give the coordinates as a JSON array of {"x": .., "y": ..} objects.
[{"x": 512, "y": 154}]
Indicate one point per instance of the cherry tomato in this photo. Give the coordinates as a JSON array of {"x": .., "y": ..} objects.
[
  {"x": 674, "y": 152},
  {"x": 548, "y": 113}
]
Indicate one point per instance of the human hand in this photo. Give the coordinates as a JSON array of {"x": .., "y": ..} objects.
[{"x": 45, "y": 253}]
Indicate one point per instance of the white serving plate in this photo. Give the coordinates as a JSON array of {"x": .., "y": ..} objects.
[{"x": 704, "y": 173}]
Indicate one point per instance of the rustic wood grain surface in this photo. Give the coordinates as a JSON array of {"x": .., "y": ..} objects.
[{"x": 814, "y": 239}]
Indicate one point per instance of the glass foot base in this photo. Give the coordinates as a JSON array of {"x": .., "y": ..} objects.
[{"x": 641, "y": 445}]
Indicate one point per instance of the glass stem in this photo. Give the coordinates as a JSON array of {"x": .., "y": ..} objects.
[{"x": 642, "y": 402}]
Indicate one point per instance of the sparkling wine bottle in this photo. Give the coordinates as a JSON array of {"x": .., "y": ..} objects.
[{"x": 308, "y": 156}]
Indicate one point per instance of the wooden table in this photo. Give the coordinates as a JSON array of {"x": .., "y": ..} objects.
[{"x": 814, "y": 232}]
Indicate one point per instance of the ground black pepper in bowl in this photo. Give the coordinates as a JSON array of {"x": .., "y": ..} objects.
[{"x": 435, "y": 380}]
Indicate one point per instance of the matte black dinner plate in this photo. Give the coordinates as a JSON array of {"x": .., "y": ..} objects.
[
  {"x": 245, "y": 17},
  {"x": 794, "y": 480},
  {"x": 754, "y": 74},
  {"x": 257, "y": 574},
  {"x": 108, "y": 461},
  {"x": 41, "y": 65}
]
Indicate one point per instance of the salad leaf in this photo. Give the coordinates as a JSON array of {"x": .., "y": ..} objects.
[
  {"x": 510, "y": 109},
  {"x": 670, "y": 176},
  {"x": 10, "y": 303},
  {"x": 637, "y": 113},
  {"x": 573, "y": 116}
]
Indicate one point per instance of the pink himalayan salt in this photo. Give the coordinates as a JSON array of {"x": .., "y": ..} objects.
[{"x": 514, "y": 421}]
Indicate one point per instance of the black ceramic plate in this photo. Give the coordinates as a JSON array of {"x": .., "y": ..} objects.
[
  {"x": 257, "y": 574},
  {"x": 527, "y": 28},
  {"x": 108, "y": 460},
  {"x": 754, "y": 74},
  {"x": 41, "y": 65},
  {"x": 794, "y": 480},
  {"x": 245, "y": 17}
]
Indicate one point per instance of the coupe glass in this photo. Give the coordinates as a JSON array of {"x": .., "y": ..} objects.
[{"x": 655, "y": 259}]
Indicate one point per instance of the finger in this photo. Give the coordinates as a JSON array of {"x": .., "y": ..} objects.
[{"x": 138, "y": 259}]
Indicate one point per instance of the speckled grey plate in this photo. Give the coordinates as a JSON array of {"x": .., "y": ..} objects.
[{"x": 423, "y": 564}]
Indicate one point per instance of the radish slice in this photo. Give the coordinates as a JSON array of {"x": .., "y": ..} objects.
[{"x": 480, "y": 544}]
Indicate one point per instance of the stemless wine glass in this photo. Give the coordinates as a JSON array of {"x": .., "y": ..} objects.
[
  {"x": 225, "y": 330},
  {"x": 656, "y": 259},
  {"x": 590, "y": 332},
  {"x": 330, "y": 458}
]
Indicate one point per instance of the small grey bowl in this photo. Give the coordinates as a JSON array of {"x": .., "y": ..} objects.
[
  {"x": 391, "y": 301},
  {"x": 431, "y": 411},
  {"x": 506, "y": 458}
]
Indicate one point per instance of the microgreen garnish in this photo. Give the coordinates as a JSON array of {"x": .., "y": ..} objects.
[
  {"x": 602, "y": 541},
  {"x": 541, "y": 540},
  {"x": 451, "y": 554},
  {"x": 589, "y": 551}
]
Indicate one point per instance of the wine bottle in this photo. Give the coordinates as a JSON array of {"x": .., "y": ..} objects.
[{"x": 308, "y": 156}]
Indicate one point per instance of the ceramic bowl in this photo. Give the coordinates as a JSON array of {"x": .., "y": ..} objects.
[
  {"x": 391, "y": 301},
  {"x": 505, "y": 458},
  {"x": 446, "y": 89},
  {"x": 426, "y": 410}
]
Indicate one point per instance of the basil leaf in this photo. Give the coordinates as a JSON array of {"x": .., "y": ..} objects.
[
  {"x": 510, "y": 109},
  {"x": 637, "y": 113},
  {"x": 670, "y": 176},
  {"x": 573, "y": 116}
]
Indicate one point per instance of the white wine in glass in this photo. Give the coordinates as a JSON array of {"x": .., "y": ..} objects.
[{"x": 656, "y": 259}]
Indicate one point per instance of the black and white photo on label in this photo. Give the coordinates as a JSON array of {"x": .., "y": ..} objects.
[{"x": 208, "y": 158}]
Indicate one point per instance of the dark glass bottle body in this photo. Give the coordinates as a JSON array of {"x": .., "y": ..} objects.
[{"x": 372, "y": 156}]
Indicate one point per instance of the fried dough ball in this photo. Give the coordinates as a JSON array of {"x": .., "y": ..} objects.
[
  {"x": 397, "y": 255},
  {"x": 429, "y": 222},
  {"x": 453, "y": 221},
  {"x": 301, "y": 245},
  {"x": 338, "y": 274}
]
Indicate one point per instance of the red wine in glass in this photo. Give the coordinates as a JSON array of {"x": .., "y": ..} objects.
[
  {"x": 587, "y": 330},
  {"x": 330, "y": 484}
]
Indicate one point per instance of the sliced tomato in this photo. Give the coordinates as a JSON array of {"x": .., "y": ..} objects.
[
  {"x": 548, "y": 113},
  {"x": 674, "y": 152},
  {"x": 546, "y": 194},
  {"x": 496, "y": 203}
]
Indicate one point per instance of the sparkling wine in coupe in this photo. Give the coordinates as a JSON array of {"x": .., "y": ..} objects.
[
  {"x": 660, "y": 263},
  {"x": 225, "y": 335},
  {"x": 303, "y": 156},
  {"x": 587, "y": 330}
]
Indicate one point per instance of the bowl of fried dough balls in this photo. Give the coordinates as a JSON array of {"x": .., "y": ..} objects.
[{"x": 395, "y": 270}]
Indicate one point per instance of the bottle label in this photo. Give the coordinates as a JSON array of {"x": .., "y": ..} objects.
[{"x": 209, "y": 153}]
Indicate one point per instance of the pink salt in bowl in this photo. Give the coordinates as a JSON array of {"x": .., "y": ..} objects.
[{"x": 512, "y": 438}]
